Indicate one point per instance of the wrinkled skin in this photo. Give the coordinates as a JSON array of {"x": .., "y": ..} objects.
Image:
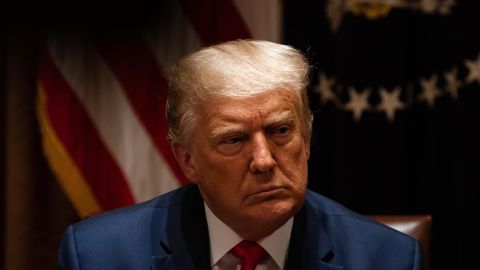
[{"x": 249, "y": 159}]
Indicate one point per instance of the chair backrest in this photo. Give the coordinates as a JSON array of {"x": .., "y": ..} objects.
[{"x": 417, "y": 226}]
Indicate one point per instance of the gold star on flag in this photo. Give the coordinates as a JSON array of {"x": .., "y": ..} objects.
[
  {"x": 358, "y": 103},
  {"x": 429, "y": 6},
  {"x": 390, "y": 102},
  {"x": 453, "y": 83},
  {"x": 429, "y": 91},
  {"x": 324, "y": 89},
  {"x": 473, "y": 70}
]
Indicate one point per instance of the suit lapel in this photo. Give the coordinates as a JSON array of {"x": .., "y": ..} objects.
[
  {"x": 185, "y": 244},
  {"x": 195, "y": 229},
  {"x": 310, "y": 245}
]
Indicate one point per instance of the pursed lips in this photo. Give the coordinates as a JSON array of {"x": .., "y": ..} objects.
[{"x": 266, "y": 190}]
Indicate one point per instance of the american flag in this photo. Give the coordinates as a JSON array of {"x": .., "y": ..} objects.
[{"x": 101, "y": 99}]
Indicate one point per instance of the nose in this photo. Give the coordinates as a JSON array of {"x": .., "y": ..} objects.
[{"x": 262, "y": 160}]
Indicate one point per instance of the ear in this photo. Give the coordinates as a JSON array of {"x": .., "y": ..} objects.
[
  {"x": 186, "y": 161},
  {"x": 307, "y": 149}
]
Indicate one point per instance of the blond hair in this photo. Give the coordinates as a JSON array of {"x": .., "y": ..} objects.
[{"x": 235, "y": 69}]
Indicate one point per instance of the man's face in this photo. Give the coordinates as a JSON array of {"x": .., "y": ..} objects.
[{"x": 249, "y": 159}]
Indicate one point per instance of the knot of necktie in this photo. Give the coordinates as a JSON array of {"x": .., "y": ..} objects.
[{"x": 250, "y": 254}]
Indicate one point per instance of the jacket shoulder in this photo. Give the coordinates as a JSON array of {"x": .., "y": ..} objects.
[
  {"x": 360, "y": 241},
  {"x": 103, "y": 240},
  {"x": 122, "y": 218},
  {"x": 332, "y": 211}
]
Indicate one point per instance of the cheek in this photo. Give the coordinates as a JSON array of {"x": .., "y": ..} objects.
[
  {"x": 218, "y": 168},
  {"x": 214, "y": 164},
  {"x": 221, "y": 189},
  {"x": 294, "y": 160},
  {"x": 221, "y": 175},
  {"x": 295, "y": 170}
]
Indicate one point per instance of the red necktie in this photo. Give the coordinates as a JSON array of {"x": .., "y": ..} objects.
[{"x": 249, "y": 253}]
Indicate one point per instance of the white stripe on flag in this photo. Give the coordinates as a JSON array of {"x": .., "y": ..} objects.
[
  {"x": 104, "y": 100},
  {"x": 263, "y": 18},
  {"x": 172, "y": 36}
]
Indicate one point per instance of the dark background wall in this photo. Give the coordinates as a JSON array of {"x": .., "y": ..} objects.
[
  {"x": 426, "y": 159},
  {"x": 2, "y": 148}
]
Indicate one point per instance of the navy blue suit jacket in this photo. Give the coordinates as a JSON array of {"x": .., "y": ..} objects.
[{"x": 170, "y": 232}]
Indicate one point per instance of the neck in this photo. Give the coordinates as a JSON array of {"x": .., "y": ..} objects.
[{"x": 255, "y": 230}]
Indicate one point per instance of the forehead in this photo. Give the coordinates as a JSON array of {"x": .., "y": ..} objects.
[{"x": 266, "y": 107}]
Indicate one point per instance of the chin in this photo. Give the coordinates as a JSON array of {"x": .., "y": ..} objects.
[
  {"x": 278, "y": 212},
  {"x": 266, "y": 217}
]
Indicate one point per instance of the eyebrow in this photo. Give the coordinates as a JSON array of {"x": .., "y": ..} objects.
[
  {"x": 283, "y": 116},
  {"x": 231, "y": 128}
]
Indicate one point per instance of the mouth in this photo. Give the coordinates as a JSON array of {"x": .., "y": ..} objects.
[{"x": 268, "y": 192}]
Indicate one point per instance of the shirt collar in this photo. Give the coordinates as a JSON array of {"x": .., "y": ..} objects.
[{"x": 223, "y": 239}]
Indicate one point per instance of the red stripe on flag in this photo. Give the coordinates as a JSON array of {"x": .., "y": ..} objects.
[
  {"x": 215, "y": 20},
  {"x": 75, "y": 130},
  {"x": 135, "y": 68}
]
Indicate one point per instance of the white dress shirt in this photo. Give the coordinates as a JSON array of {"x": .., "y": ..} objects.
[{"x": 223, "y": 239}]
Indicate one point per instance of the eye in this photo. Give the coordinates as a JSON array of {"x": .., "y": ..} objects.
[
  {"x": 281, "y": 134},
  {"x": 230, "y": 146},
  {"x": 283, "y": 130},
  {"x": 231, "y": 140}
]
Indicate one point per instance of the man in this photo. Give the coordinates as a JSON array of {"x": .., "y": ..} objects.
[{"x": 240, "y": 129}]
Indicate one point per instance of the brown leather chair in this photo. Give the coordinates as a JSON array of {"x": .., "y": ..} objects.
[{"x": 417, "y": 226}]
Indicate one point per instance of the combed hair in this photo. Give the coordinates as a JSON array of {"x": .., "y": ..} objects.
[{"x": 236, "y": 69}]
